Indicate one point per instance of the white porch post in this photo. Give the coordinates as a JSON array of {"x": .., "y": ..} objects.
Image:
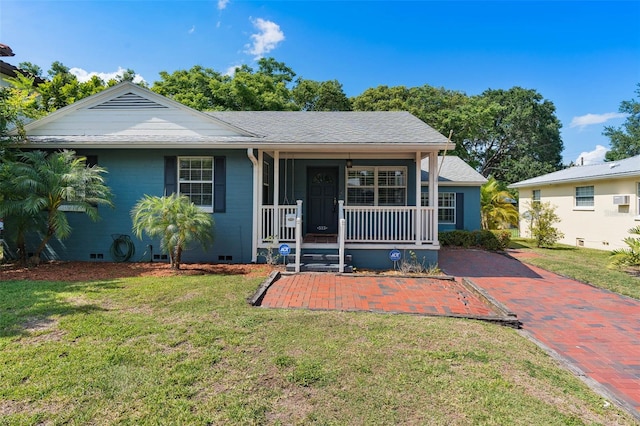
[
  {"x": 433, "y": 194},
  {"x": 418, "y": 215},
  {"x": 276, "y": 196},
  {"x": 256, "y": 228}
]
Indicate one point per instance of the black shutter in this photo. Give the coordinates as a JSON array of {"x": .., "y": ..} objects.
[
  {"x": 92, "y": 160},
  {"x": 459, "y": 210},
  {"x": 219, "y": 184},
  {"x": 170, "y": 175}
]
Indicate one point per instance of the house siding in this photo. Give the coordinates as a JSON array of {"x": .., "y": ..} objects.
[
  {"x": 603, "y": 227},
  {"x": 469, "y": 212},
  {"x": 134, "y": 173}
]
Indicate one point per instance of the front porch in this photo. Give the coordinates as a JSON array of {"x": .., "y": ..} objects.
[{"x": 350, "y": 220}]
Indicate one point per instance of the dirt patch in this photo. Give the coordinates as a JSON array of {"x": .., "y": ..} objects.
[{"x": 101, "y": 271}]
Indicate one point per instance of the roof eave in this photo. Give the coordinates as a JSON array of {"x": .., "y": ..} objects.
[{"x": 635, "y": 173}]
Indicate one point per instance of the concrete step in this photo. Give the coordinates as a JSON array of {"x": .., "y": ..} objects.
[
  {"x": 319, "y": 267},
  {"x": 318, "y": 258}
]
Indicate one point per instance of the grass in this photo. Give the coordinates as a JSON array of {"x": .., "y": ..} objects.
[
  {"x": 190, "y": 350},
  {"x": 583, "y": 264}
]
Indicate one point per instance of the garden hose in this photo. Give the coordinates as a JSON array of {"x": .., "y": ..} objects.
[{"x": 122, "y": 248}]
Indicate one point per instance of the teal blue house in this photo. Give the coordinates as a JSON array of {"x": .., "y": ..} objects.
[{"x": 353, "y": 185}]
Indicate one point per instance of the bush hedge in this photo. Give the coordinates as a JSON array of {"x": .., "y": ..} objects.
[{"x": 493, "y": 240}]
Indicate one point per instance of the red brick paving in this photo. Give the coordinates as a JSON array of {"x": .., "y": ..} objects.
[
  {"x": 423, "y": 296},
  {"x": 594, "y": 329}
]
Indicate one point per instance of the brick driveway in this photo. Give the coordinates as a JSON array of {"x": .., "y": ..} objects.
[{"x": 594, "y": 331}]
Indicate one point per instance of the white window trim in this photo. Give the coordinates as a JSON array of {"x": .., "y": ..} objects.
[
  {"x": 206, "y": 209},
  {"x": 454, "y": 208},
  {"x": 576, "y": 207},
  {"x": 376, "y": 187}
]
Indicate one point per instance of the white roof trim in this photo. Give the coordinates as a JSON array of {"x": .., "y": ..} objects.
[{"x": 122, "y": 89}]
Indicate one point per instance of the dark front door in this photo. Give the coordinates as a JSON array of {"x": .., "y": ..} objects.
[{"x": 322, "y": 193}]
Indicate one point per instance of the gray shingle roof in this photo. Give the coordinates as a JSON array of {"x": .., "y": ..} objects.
[
  {"x": 333, "y": 127},
  {"x": 453, "y": 170},
  {"x": 628, "y": 167}
]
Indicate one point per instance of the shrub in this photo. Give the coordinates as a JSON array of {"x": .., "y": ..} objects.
[
  {"x": 457, "y": 238},
  {"x": 629, "y": 256},
  {"x": 486, "y": 239},
  {"x": 542, "y": 218}
]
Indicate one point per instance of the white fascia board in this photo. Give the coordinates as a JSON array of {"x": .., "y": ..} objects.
[{"x": 575, "y": 180}]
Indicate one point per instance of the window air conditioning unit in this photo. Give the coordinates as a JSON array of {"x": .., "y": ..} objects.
[{"x": 621, "y": 200}]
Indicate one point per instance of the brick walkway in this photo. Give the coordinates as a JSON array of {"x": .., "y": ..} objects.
[
  {"x": 595, "y": 330},
  {"x": 376, "y": 294}
]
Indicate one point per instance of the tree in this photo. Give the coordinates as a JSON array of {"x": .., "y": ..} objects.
[
  {"x": 199, "y": 88},
  {"x": 175, "y": 220},
  {"x": 264, "y": 89},
  {"x": 509, "y": 134},
  {"x": 515, "y": 135},
  {"x": 311, "y": 95},
  {"x": 382, "y": 98},
  {"x": 497, "y": 210},
  {"x": 542, "y": 217},
  {"x": 40, "y": 184},
  {"x": 625, "y": 140}
]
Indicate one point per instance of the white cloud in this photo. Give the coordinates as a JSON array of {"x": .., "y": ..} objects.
[
  {"x": 589, "y": 119},
  {"x": 83, "y": 75},
  {"x": 192, "y": 29},
  {"x": 592, "y": 157},
  {"x": 222, "y": 4},
  {"x": 268, "y": 36},
  {"x": 232, "y": 70}
]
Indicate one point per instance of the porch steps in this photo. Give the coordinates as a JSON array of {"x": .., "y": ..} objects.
[{"x": 317, "y": 262}]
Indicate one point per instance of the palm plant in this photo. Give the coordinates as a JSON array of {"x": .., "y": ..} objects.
[
  {"x": 40, "y": 184},
  {"x": 631, "y": 255},
  {"x": 175, "y": 220},
  {"x": 497, "y": 211}
]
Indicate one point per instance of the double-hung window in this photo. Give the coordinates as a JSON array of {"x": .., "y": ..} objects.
[
  {"x": 584, "y": 197},
  {"x": 377, "y": 186},
  {"x": 195, "y": 180},
  {"x": 446, "y": 206},
  {"x": 535, "y": 196}
]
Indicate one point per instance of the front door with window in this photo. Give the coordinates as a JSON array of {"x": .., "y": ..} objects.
[{"x": 322, "y": 205}]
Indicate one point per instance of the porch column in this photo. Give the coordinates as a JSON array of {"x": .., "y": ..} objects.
[
  {"x": 433, "y": 194},
  {"x": 276, "y": 196},
  {"x": 418, "y": 204}
]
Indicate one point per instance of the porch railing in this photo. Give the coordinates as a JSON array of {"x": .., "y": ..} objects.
[
  {"x": 362, "y": 224},
  {"x": 272, "y": 230},
  {"x": 365, "y": 224}
]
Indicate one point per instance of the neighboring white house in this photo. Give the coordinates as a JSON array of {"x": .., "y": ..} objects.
[{"x": 597, "y": 204}]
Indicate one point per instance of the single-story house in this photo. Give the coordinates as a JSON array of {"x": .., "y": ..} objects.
[
  {"x": 597, "y": 204},
  {"x": 350, "y": 184}
]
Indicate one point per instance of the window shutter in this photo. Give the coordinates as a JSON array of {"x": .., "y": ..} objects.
[
  {"x": 170, "y": 175},
  {"x": 459, "y": 210},
  {"x": 219, "y": 184},
  {"x": 92, "y": 160}
]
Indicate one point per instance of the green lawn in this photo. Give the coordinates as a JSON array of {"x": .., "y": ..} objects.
[
  {"x": 586, "y": 265},
  {"x": 190, "y": 350}
]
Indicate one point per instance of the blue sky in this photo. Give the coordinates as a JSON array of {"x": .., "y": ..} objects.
[{"x": 584, "y": 56}]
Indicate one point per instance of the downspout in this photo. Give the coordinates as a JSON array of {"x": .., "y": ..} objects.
[{"x": 254, "y": 225}]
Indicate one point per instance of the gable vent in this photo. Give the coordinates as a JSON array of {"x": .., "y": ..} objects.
[{"x": 129, "y": 101}]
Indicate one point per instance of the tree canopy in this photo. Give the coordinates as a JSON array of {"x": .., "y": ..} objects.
[
  {"x": 510, "y": 134},
  {"x": 625, "y": 140}
]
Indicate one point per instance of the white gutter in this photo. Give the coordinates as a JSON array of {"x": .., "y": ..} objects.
[{"x": 254, "y": 225}]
